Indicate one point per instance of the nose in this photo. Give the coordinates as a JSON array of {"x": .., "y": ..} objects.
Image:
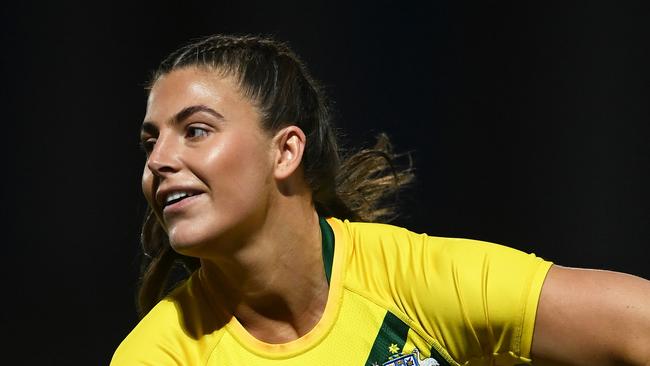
[{"x": 164, "y": 158}]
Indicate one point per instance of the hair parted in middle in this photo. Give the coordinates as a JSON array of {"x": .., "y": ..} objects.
[{"x": 276, "y": 81}]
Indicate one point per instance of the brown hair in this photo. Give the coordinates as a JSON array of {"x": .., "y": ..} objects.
[{"x": 275, "y": 79}]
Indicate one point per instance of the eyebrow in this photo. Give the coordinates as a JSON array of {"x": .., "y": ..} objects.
[{"x": 150, "y": 127}]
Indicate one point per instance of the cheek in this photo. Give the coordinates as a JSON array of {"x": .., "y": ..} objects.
[
  {"x": 250, "y": 164},
  {"x": 147, "y": 185},
  {"x": 238, "y": 169},
  {"x": 244, "y": 159},
  {"x": 148, "y": 191}
]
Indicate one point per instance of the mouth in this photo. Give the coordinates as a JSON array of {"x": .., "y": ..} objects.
[{"x": 175, "y": 198}]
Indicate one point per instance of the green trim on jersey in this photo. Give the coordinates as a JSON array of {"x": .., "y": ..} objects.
[
  {"x": 328, "y": 247},
  {"x": 392, "y": 335},
  {"x": 390, "y": 341},
  {"x": 438, "y": 357}
]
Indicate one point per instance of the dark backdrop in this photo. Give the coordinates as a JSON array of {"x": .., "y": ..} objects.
[{"x": 528, "y": 125}]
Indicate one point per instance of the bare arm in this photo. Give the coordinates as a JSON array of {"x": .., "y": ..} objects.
[{"x": 591, "y": 317}]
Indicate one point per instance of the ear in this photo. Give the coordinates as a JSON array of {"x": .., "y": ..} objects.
[{"x": 289, "y": 143}]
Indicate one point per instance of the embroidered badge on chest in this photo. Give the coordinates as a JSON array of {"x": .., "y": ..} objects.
[{"x": 409, "y": 359}]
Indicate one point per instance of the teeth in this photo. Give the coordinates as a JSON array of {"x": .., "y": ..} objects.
[{"x": 176, "y": 195}]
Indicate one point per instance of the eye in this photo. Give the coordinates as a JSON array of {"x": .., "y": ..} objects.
[
  {"x": 147, "y": 145},
  {"x": 194, "y": 132}
]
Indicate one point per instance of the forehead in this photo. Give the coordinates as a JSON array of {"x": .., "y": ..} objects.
[{"x": 185, "y": 87}]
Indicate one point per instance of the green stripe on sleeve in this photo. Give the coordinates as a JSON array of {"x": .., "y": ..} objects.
[{"x": 389, "y": 341}]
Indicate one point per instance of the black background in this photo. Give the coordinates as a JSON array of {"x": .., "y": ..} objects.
[{"x": 528, "y": 125}]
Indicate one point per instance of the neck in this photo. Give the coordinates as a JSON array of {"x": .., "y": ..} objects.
[{"x": 276, "y": 282}]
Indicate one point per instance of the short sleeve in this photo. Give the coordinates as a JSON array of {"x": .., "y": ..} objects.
[
  {"x": 484, "y": 298},
  {"x": 474, "y": 300}
]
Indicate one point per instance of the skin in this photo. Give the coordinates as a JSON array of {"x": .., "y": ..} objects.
[
  {"x": 592, "y": 317},
  {"x": 225, "y": 158},
  {"x": 253, "y": 225},
  {"x": 251, "y": 220}
]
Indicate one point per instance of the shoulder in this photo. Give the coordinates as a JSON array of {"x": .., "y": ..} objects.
[
  {"x": 153, "y": 339},
  {"x": 364, "y": 236},
  {"x": 179, "y": 330},
  {"x": 447, "y": 287},
  {"x": 397, "y": 246}
]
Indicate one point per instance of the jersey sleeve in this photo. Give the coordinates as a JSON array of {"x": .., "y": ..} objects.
[
  {"x": 475, "y": 300},
  {"x": 484, "y": 298}
]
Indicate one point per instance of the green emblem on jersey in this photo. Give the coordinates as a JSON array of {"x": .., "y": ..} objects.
[
  {"x": 390, "y": 339},
  {"x": 410, "y": 359}
]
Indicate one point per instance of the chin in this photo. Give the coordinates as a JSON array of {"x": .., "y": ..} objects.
[
  {"x": 190, "y": 243},
  {"x": 207, "y": 237},
  {"x": 199, "y": 240}
]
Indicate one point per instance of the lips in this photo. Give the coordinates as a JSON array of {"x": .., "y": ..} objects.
[
  {"x": 173, "y": 196},
  {"x": 178, "y": 206},
  {"x": 176, "y": 197}
]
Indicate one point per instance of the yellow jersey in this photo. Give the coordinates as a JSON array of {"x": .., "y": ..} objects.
[{"x": 395, "y": 298}]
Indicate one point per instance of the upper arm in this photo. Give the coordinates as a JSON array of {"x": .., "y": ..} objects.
[{"x": 592, "y": 317}]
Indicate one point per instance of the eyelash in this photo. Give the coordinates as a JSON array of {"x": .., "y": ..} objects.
[
  {"x": 190, "y": 129},
  {"x": 147, "y": 145}
]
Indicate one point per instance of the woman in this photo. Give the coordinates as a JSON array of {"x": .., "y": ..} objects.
[{"x": 246, "y": 191}]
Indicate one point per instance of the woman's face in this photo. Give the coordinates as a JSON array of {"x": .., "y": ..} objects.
[{"x": 208, "y": 174}]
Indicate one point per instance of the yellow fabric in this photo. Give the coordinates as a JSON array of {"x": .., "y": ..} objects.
[{"x": 468, "y": 302}]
